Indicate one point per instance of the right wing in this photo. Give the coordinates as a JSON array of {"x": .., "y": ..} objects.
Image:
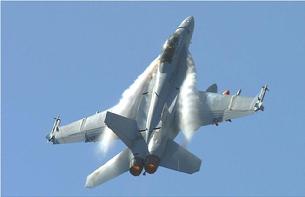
[
  {"x": 215, "y": 108},
  {"x": 87, "y": 129}
]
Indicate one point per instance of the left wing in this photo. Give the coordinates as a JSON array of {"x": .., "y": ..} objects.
[{"x": 215, "y": 108}]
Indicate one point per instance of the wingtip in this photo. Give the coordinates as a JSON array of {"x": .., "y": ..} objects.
[{"x": 89, "y": 184}]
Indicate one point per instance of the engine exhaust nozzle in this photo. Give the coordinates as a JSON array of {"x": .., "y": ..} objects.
[
  {"x": 151, "y": 163},
  {"x": 136, "y": 166}
]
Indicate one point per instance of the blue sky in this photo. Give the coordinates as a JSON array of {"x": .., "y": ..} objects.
[{"x": 75, "y": 58}]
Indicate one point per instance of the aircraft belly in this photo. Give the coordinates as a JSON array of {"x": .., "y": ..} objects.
[{"x": 146, "y": 119}]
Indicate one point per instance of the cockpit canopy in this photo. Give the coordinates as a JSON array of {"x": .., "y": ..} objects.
[{"x": 169, "y": 49}]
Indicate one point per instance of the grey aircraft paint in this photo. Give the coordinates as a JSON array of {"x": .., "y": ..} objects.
[{"x": 149, "y": 135}]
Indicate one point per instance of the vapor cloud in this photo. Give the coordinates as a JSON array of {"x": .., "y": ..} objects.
[
  {"x": 188, "y": 103},
  {"x": 128, "y": 104}
]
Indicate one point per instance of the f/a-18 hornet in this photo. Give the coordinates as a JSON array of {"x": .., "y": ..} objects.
[{"x": 150, "y": 126}]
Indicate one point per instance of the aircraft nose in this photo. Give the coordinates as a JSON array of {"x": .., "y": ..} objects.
[{"x": 188, "y": 23}]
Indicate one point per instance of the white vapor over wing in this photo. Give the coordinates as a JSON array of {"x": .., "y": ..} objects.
[
  {"x": 128, "y": 104},
  {"x": 188, "y": 103},
  {"x": 106, "y": 140}
]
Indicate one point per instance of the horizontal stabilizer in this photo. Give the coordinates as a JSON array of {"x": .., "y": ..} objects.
[
  {"x": 111, "y": 169},
  {"x": 178, "y": 158},
  {"x": 212, "y": 88},
  {"x": 127, "y": 130}
]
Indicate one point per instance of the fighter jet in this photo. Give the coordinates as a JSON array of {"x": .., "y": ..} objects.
[{"x": 150, "y": 126}]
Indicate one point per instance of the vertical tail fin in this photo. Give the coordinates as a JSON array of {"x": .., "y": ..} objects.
[
  {"x": 212, "y": 88},
  {"x": 127, "y": 130}
]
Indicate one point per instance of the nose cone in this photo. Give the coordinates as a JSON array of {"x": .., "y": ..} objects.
[{"x": 188, "y": 23}]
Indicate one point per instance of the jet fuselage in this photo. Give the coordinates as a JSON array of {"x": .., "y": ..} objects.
[
  {"x": 149, "y": 120},
  {"x": 169, "y": 78}
]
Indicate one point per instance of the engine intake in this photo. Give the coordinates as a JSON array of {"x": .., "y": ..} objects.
[
  {"x": 151, "y": 163},
  {"x": 136, "y": 166}
]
